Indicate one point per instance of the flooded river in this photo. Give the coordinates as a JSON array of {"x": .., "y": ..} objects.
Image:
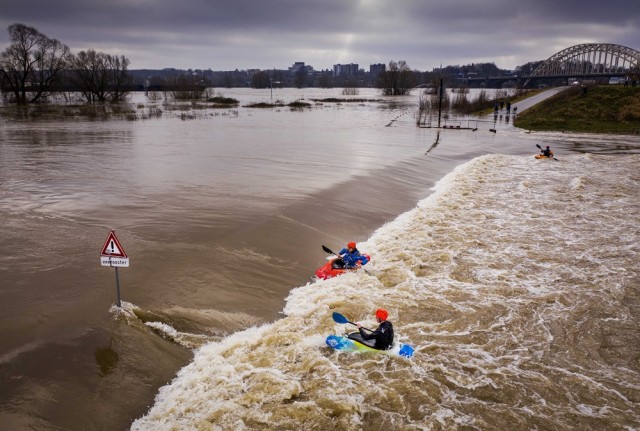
[{"x": 515, "y": 279}]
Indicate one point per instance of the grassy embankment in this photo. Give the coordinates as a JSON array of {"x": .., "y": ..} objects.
[{"x": 603, "y": 109}]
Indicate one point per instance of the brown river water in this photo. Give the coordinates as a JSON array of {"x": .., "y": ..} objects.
[{"x": 516, "y": 280}]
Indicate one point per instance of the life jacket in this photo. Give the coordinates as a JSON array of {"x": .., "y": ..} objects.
[
  {"x": 351, "y": 259},
  {"x": 385, "y": 340},
  {"x": 383, "y": 336}
]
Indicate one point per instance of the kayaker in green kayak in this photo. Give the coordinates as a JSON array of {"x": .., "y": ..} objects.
[
  {"x": 381, "y": 338},
  {"x": 354, "y": 342}
]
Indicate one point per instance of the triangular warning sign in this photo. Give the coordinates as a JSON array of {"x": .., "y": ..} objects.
[{"x": 112, "y": 247}]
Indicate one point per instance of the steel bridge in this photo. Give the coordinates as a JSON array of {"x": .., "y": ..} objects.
[{"x": 589, "y": 60}]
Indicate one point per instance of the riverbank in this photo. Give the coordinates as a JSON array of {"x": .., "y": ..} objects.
[{"x": 593, "y": 109}]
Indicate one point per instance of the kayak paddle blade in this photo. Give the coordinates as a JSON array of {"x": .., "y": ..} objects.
[
  {"x": 406, "y": 351},
  {"x": 339, "y": 318},
  {"x": 326, "y": 249}
]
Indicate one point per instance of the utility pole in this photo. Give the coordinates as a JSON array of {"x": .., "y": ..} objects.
[{"x": 440, "y": 102}]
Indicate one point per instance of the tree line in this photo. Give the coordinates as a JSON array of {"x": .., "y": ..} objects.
[{"x": 35, "y": 65}]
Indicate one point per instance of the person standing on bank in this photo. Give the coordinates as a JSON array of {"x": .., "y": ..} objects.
[
  {"x": 351, "y": 256},
  {"x": 383, "y": 335}
]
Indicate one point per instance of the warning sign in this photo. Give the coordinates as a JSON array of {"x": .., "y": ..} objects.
[
  {"x": 112, "y": 247},
  {"x": 113, "y": 255}
]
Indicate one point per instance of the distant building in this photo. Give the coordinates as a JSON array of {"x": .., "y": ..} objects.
[
  {"x": 375, "y": 69},
  {"x": 293, "y": 70},
  {"x": 350, "y": 69}
]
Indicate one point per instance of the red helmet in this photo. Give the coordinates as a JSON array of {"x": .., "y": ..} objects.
[
  {"x": 351, "y": 245},
  {"x": 382, "y": 314}
]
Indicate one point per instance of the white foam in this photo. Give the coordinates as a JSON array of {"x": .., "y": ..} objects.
[
  {"x": 185, "y": 339},
  {"x": 487, "y": 278}
]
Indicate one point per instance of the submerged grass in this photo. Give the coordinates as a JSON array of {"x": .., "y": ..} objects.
[
  {"x": 55, "y": 111},
  {"x": 276, "y": 104},
  {"x": 344, "y": 100},
  {"x": 599, "y": 109},
  {"x": 221, "y": 100},
  {"x": 298, "y": 104},
  {"x": 117, "y": 111}
]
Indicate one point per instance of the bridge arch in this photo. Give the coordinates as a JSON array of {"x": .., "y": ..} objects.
[{"x": 589, "y": 59}]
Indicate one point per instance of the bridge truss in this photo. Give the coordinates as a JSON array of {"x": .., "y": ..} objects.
[{"x": 589, "y": 59}]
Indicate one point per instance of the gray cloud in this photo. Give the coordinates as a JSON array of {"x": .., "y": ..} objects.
[{"x": 229, "y": 34}]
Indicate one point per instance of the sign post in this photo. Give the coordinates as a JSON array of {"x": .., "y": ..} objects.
[{"x": 113, "y": 255}]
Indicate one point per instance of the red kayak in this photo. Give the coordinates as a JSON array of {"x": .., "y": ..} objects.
[{"x": 334, "y": 268}]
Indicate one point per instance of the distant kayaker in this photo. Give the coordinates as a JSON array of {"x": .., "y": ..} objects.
[
  {"x": 351, "y": 256},
  {"x": 547, "y": 152},
  {"x": 383, "y": 335}
]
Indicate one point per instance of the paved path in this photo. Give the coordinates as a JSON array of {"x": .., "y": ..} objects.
[
  {"x": 527, "y": 103},
  {"x": 530, "y": 101},
  {"x": 501, "y": 120}
]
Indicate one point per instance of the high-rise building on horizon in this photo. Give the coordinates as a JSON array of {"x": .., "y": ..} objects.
[
  {"x": 375, "y": 69},
  {"x": 350, "y": 69}
]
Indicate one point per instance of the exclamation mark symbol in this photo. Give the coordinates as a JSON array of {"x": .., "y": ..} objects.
[{"x": 112, "y": 248}]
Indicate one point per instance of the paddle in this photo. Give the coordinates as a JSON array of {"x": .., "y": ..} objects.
[
  {"x": 339, "y": 318},
  {"x": 328, "y": 250},
  {"x": 537, "y": 145},
  {"x": 325, "y": 248}
]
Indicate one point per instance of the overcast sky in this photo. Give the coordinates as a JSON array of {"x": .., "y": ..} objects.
[{"x": 266, "y": 34}]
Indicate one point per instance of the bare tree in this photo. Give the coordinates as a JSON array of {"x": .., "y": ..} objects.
[
  {"x": 350, "y": 88},
  {"x": 398, "y": 80},
  {"x": 120, "y": 78},
  {"x": 260, "y": 79},
  {"x": 325, "y": 81},
  {"x": 89, "y": 75},
  {"x": 30, "y": 66},
  {"x": 101, "y": 77},
  {"x": 186, "y": 87}
]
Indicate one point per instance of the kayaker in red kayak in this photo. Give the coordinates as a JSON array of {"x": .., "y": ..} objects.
[
  {"x": 351, "y": 256},
  {"x": 337, "y": 266}
]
